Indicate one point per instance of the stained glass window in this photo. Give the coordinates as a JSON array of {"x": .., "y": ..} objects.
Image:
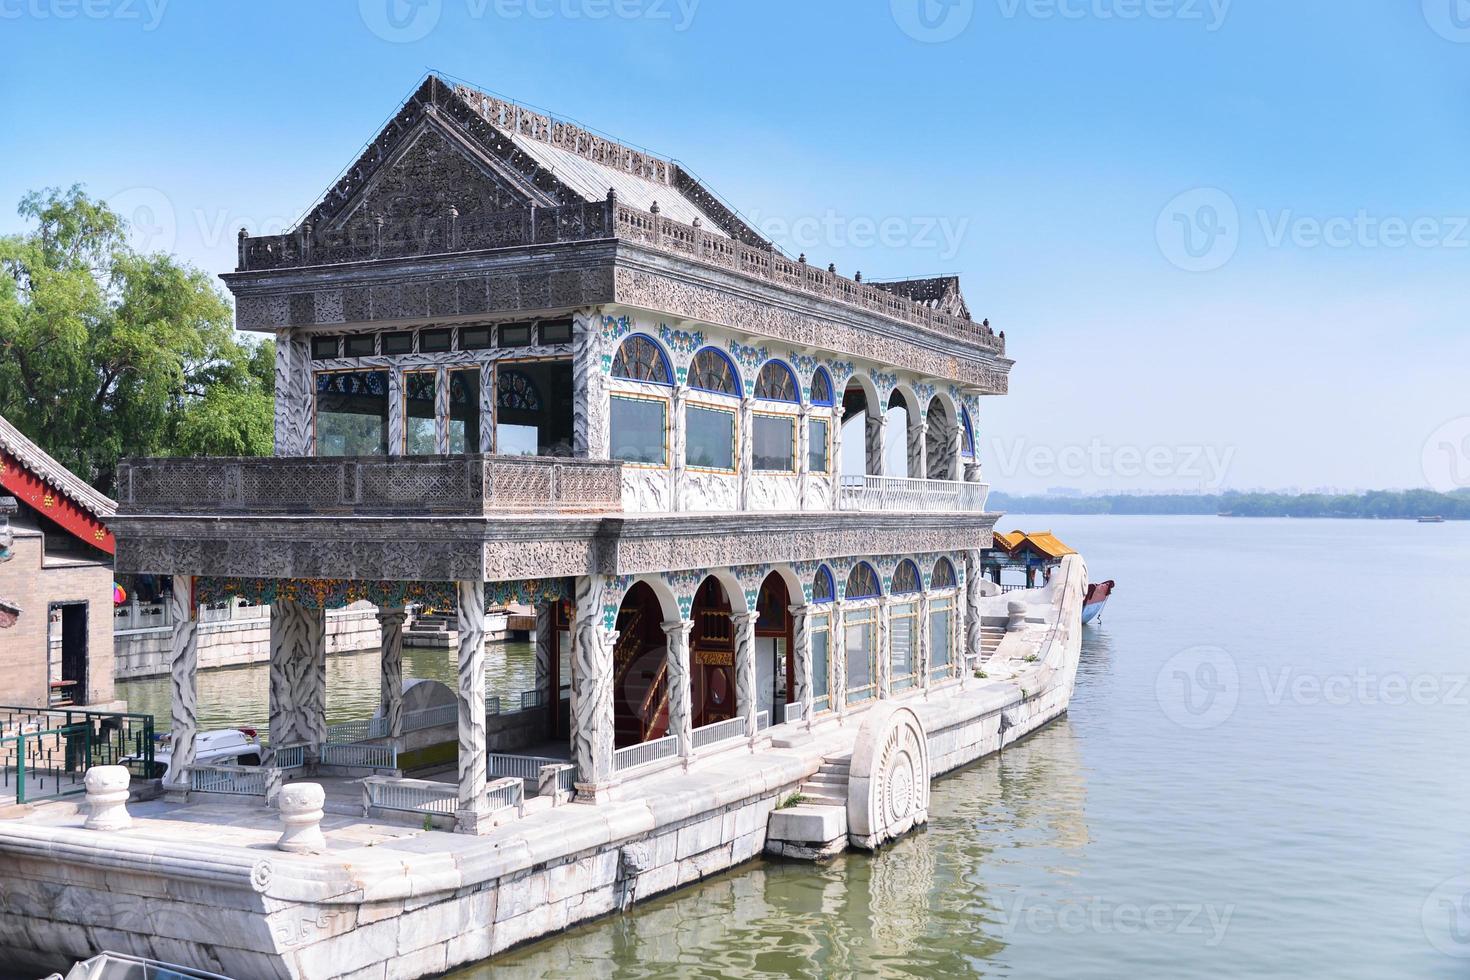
[
  {"x": 776, "y": 383},
  {"x": 944, "y": 577},
  {"x": 352, "y": 413},
  {"x": 515, "y": 390},
  {"x": 640, "y": 359},
  {"x": 821, "y": 387},
  {"x": 712, "y": 371},
  {"x": 862, "y": 582},
  {"x": 823, "y": 589},
  {"x": 906, "y": 578}
]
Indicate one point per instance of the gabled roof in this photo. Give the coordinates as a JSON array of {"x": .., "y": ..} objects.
[
  {"x": 1043, "y": 542},
  {"x": 40, "y": 482},
  {"x": 937, "y": 292}
]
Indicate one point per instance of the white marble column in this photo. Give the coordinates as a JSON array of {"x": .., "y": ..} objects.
[
  {"x": 592, "y": 690},
  {"x": 295, "y": 396},
  {"x": 681, "y": 708},
  {"x": 971, "y": 601},
  {"x": 802, "y": 651},
  {"x": 885, "y": 656},
  {"x": 678, "y": 439},
  {"x": 921, "y": 641},
  {"x": 873, "y": 437},
  {"x": 298, "y": 677},
  {"x": 390, "y": 676},
  {"x": 396, "y": 423},
  {"x": 834, "y": 461},
  {"x": 803, "y": 454},
  {"x": 487, "y": 409},
  {"x": 915, "y": 431},
  {"x": 441, "y": 411},
  {"x": 589, "y": 395},
  {"x": 745, "y": 695},
  {"x": 183, "y": 674},
  {"x": 837, "y": 646},
  {"x": 473, "y": 808},
  {"x": 545, "y": 638},
  {"x": 747, "y": 455}
]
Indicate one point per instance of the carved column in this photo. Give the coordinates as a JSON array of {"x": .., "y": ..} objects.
[
  {"x": 545, "y": 638},
  {"x": 802, "y": 651},
  {"x": 681, "y": 707},
  {"x": 885, "y": 656},
  {"x": 298, "y": 677},
  {"x": 873, "y": 435},
  {"x": 390, "y": 693},
  {"x": 745, "y": 694},
  {"x": 441, "y": 411},
  {"x": 396, "y": 423},
  {"x": 183, "y": 671},
  {"x": 592, "y": 689},
  {"x": 678, "y": 440},
  {"x": 487, "y": 409},
  {"x": 747, "y": 455},
  {"x": 973, "y": 645},
  {"x": 803, "y": 454},
  {"x": 921, "y": 642},
  {"x": 473, "y": 807},
  {"x": 837, "y": 647},
  {"x": 295, "y": 396},
  {"x": 952, "y": 451},
  {"x": 958, "y": 630},
  {"x": 834, "y": 462},
  {"x": 915, "y": 430},
  {"x": 589, "y": 394},
  {"x": 973, "y": 473}
]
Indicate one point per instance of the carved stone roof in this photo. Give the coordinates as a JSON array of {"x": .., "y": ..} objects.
[
  {"x": 41, "y": 465},
  {"x": 937, "y": 292}
]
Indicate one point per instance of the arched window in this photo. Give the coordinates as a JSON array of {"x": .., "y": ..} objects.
[
  {"x": 516, "y": 391},
  {"x": 821, "y": 387},
  {"x": 943, "y": 577},
  {"x": 967, "y": 434},
  {"x": 712, "y": 371},
  {"x": 776, "y": 383},
  {"x": 862, "y": 582},
  {"x": 906, "y": 578},
  {"x": 639, "y": 358},
  {"x": 823, "y": 588}
]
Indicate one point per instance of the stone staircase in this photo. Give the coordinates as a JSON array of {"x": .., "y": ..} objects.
[
  {"x": 990, "y": 637},
  {"x": 828, "y": 787}
]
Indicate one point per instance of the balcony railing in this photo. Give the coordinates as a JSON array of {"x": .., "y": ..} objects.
[
  {"x": 441, "y": 485},
  {"x": 893, "y": 493}
]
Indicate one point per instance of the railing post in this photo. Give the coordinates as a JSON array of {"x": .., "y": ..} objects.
[{"x": 20, "y": 767}]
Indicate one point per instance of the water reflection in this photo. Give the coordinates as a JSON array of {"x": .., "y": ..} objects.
[{"x": 241, "y": 695}]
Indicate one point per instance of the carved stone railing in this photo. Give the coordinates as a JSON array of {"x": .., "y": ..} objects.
[
  {"x": 594, "y": 221},
  {"x": 358, "y": 485},
  {"x": 893, "y": 493}
]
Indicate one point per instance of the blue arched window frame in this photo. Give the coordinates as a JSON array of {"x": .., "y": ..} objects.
[
  {"x": 910, "y": 584},
  {"x": 875, "y": 590},
  {"x": 776, "y": 364},
  {"x": 829, "y": 400},
  {"x": 943, "y": 576},
  {"x": 656, "y": 348},
  {"x": 823, "y": 577},
  {"x": 734, "y": 373}
]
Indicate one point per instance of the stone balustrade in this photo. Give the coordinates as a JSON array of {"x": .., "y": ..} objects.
[
  {"x": 385, "y": 486},
  {"x": 893, "y": 493}
]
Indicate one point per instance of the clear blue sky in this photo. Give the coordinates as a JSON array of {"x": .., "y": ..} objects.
[{"x": 1038, "y": 148}]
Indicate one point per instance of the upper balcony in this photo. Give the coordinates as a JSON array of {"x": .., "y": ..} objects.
[
  {"x": 451, "y": 486},
  {"x": 903, "y": 495}
]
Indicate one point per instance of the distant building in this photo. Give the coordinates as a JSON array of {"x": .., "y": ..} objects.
[{"x": 55, "y": 581}]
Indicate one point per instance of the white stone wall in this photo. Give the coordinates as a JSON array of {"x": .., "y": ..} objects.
[{"x": 145, "y": 653}]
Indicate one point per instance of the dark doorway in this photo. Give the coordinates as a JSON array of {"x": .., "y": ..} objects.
[
  {"x": 67, "y": 645},
  {"x": 712, "y": 656},
  {"x": 640, "y": 666},
  {"x": 774, "y": 639}
]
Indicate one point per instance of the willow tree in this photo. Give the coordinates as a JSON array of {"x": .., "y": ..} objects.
[{"x": 106, "y": 352}]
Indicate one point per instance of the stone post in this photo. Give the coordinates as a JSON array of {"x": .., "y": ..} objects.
[
  {"x": 959, "y": 630},
  {"x": 487, "y": 409},
  {"x": 805, "y": 695},
  {"x": 298, "y": 677},
  {"x": 745, "y": 696},
  {"x": 107, "y": 798},
  {"x": 677, "y": 441},
  {"x": 472, "y": 812},
  {"x": 837, "y": 647},
  {"x": 390, "y": 677},
  {"x": 592, "y": 690},
  {"x": 885, "y": 656},
  {"x": 183, "y": 671},
  {"x": 952, "y": 451},
  {"x": 681, "y": 708},
  {"x": 301, "y": 813}
]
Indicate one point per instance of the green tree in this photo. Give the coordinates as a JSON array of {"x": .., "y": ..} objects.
[{"x": 106, "y": 353}]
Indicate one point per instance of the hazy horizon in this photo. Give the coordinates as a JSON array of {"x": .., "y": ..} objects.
[{"x": 1224, "y": 254}]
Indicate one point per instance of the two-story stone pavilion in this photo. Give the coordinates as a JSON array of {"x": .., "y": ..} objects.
[{"x": 517, "y": 361}]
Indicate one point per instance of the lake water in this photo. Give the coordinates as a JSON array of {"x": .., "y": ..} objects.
[{"x": 1263, "y": 774}]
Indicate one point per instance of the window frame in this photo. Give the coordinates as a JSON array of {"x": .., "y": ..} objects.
[
  {"x": 826, "y": 423},
  {"x": 692, "y": 404},
  {"x": 631, "y": 396},
  {"x": 408, "y": 419},
  {"x": 776, "y": 364},
  {"x": 663, "y": 356},
  {"x": 945, "y": 602},
  {"x": 863, "y": 614},
  {"x": 820, "y": 624},
  {"x": 386, "y": 442},
  {"x": 830, "y": 400},
  {"x": 791, "y": 420},
  {"x": 729, "y": 362},
  {"x": 896, "y": 611}
]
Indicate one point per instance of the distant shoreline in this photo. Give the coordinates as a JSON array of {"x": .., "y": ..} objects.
[{"x": 1404, "y": 505}]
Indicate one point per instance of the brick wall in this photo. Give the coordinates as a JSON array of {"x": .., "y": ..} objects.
[{"x": 32, "y": 584}]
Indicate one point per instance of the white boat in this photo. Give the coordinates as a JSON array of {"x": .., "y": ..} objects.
[{"x": 223, "y": 747}]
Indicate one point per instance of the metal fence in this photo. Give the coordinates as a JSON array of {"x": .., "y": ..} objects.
[
  {"x": 646, "y": 752},
  {"x": 288, "y": 756},
  {"x": 409, "y": 795},
  {"x": 504, "y": 793},
  {"x": 795, "y": 710},
  {"x": 235, "y": 780},
  {"x": 46, "y": 752},
  {"x": 360, "y": 756},
  {"x": 526, "y": 767},
  {"x": 444, "y": 714},
  {"x": 720, "y": 731},
  {"x": 357, "y": 731}
]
